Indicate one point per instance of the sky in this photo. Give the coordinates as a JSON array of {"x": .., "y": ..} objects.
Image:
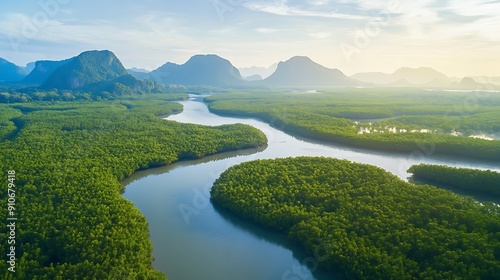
[{"x": 457, "y": 37}]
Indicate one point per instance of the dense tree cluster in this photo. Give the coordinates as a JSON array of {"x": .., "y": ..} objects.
[
  {"x": 336, "y": 116},
  {"x": 7, "y": 126},
  {"x": 365, "y": 221},
  {"x": 477, "y": 181},
  {"x": 106, "y": 90},
  {"x": 73, "y": 222}
]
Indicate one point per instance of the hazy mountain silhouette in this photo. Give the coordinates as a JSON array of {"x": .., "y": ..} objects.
[
  {"x": 468, "y": 83},
  {"x": 85, "y": 69},
  {"x": 29, "y": 67},
  {"x": 263, "y": 72},
  {"x": 140, "y": 70},
  {"x": 9, "y": 72},
  {"x": 406, "y": 76},
  {"x": 138, "y": 73},
  {"x": 487, "y": 80},
  {"x": 42, "y": 70},
  {"x": 420, "y": 75},
  {"x": 253, "y": 78},
  {"x": 302, "y": 71},
  {"x": 199, "y": 70},
  {"x": 471, "y": 83}
]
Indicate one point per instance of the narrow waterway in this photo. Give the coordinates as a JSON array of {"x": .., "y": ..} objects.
[{"x": 193, "y": 240}]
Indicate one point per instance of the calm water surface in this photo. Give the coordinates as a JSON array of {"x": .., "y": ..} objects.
[{"x": 193, "y": 240}]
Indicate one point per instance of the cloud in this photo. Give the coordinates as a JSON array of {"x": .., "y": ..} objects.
[
  {"x": 373, "y": 5},
  {"x": 144, "y": 41},
  {"x": 319, "y": 2},
  {"x": 282, "y": 8},
  {"x": 474, "y": 8},
  {"x": 266, "y": 30},
  {"x": 419, "y": 18},
  {"x": 150, "y": 29}
]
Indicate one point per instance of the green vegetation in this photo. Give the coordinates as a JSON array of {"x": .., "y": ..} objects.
[
  {"x": 68, "y": 159},
  {"x": 365, "y": 221},
  {"x": 7, "y": 126},
  {"x": 478, "y": 181},
  {"x": 338, "y": 115},
  {"x": 125, "y": 86}
]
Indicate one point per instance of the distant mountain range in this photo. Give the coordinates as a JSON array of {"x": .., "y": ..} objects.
[
  {"x": 487, "y": 80},
  {"x": 302, "y": 71},
  {"x": 425, "y": 77},
  {"x": 102, "y": 72},
  {"x": 404, "y": 76},
  {"x": 10, "y": 73},
  {"x": 251, "y": 73},
  {"x": 472, "y": 83}
]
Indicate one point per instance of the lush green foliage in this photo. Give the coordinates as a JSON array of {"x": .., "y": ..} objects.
[
  {"x": 107, "y": 90},
  {"x": 365, "y": 221},
  {"x": 478, "y": 181},
  {"x": 338, "y": 115},
  {"x": 7, "y": 126},
  {"x": 73, "y": 222}
]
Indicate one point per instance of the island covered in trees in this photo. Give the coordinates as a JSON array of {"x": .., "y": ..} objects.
[
  {"x": 364, "y": 221},
  {"x": 477, "y": 181}
]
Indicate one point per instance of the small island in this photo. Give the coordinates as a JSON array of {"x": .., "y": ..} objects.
[{"x": 364, "y": 221}]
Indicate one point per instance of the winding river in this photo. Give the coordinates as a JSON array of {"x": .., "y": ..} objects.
[{"x": 193, "y": 240}]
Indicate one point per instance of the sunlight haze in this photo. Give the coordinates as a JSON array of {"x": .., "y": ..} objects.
[{"x": 458, "y": 38}]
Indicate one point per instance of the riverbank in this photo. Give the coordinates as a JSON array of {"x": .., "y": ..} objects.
[{"x": 321, "y": 117}]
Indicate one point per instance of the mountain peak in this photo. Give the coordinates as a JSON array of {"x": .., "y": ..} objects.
[
  {"x": 469, "y": 83},
  {"x": 303, "y": 71},
  {"x": 200, "y": 70},
  {"x": 104, "y": 56},
  {"x": 87, "y": 68},
  {"x": 209, "y": 60},
  {"x": 417, "y": 70},
  {"x": 299, "y": 58},
  {"x": 204, "y": 56},
  {"x": 298, "y": 61}
]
